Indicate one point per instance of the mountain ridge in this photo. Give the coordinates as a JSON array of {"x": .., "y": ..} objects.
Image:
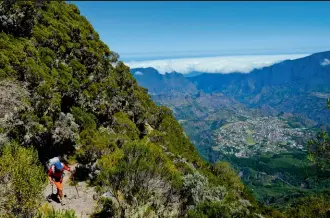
[
  {"x": 157, "y": 83},
  {"x": 267, "y": 73},
  {"x": 297, "y": 81}
]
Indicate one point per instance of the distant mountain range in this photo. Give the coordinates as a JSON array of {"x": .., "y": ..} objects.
[
  {"x": 296, "y": 86},
  {"x": 310, "y": 73},
  {"x": 157, "y": 83},
  {"x": 168, "y": 83},
  {"x": 259, "y": 121}
]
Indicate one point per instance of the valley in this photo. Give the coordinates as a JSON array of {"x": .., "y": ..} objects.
[
  {"x": 268, "y": 152},
  {"x": 260, "y": 125},
  {"x": 259, "y": 136}
]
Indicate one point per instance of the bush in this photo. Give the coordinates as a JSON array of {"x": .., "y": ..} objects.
[
  {"x": 210, "y": 209},
  {"x": 47, "y": 212},
  {"x": 123, "y": 125},
  {"x": 227, "y": 176},
  {"x": 138, "y": 161},
  {"x": 93, "y": 144},
  {"x": 21, "y": 181},
  {"x": 313, "y": 206},
  {"x": 319, "y": 151},
  {"x": 142, "y": 173},
  {"x": 83, "y": 119},
  {"x": 197, "y": 189},
  {"x": 107, "y": 208},
  {"x": 221, "y": 210}
]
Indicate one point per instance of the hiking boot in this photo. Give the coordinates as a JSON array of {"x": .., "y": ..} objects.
[
  {"x": 49, "y": 198},
  {"x": 62, "y": 202}
]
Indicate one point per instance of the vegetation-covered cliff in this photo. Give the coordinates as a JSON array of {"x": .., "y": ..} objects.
[{"x": 64, "y": 93}]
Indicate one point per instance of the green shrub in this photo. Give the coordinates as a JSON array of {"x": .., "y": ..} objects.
[
  {"x": 176, "y": 141},
  {"x": 93, "y": 144},
  {"x": 21, "y": 181},
  {"x": 220, "y": 210},
  {"x": 83, "y": 119},
  {"x": 118, "y": 167},
  {"x": 210, "y": 209},
  {"x": 46, "y": 212},
  {"x": 106, "y": 208},
  {"x": 319, "y": 151},
  {"x": 313, "y": 206},
  {"x": 139, "y": 172},
  {"x": 227, "y": 176},
  {"x": 123, "y": 125}
]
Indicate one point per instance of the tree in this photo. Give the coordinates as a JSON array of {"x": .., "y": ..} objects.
[{"x": 319, "y": 149}]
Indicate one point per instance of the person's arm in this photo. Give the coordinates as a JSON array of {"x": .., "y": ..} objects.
[{"x": 66, "y": 167}]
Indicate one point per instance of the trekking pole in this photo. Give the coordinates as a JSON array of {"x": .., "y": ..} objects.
[
  {"x": 50, "y": 196},
  {"x": 75, "y": 185}
]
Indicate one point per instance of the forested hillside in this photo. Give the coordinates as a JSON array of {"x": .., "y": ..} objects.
[{"x": 64, "y": 93}]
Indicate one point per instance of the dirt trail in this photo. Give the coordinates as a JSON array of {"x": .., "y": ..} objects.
[{"x": 83, "y": 205}]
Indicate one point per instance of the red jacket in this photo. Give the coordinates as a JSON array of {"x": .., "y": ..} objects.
[{"x": 57, "y": 174}]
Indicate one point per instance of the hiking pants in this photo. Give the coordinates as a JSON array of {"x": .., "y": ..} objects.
[{"x": 58, "y": 184}]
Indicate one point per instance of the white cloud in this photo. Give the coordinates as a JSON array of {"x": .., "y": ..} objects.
[
  {"x": 138, "y": 73},
  {"x": 325, "y": 62},
  {"x": 219, "y": 64}
]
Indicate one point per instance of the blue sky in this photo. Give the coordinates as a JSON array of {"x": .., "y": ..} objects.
[{"x": 153, "y": 30}]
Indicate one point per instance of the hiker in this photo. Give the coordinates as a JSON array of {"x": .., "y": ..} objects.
[{"x": 55, "y": 176}]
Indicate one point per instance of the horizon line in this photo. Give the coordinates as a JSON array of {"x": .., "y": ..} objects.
[{"x": 144, "y": 56}]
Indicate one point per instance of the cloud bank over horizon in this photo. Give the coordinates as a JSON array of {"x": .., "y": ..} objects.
[{"x": 218, "y": 64}]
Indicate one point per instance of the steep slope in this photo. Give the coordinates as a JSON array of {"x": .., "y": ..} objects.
[{"x": 81, "y": 103}]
